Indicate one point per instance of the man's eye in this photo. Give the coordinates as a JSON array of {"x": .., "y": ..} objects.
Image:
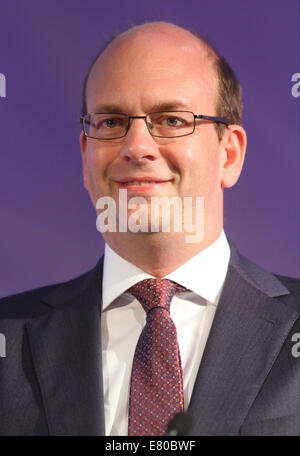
[
  {"x": 108, "y": 123},
  {"x": 172, "y": 122},
  {"x": 111, "y": 123}
]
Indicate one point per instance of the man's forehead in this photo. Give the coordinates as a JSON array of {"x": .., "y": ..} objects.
[
  {"x": 161, "y": 43},
  {"x": 163, "y": 55}
]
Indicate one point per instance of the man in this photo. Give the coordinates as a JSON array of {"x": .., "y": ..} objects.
[{"x": 72, "y": 366}]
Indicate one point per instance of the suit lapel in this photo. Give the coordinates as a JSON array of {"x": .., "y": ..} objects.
[
  {"x": 66, "y": 351},
  {"x": 253, "y": 318}
]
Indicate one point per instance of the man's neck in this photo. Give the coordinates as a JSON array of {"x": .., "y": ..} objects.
[{"x": 157, "y": 254}]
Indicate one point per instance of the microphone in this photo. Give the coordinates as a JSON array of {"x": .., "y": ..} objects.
[{"x": 180, "y": 424}]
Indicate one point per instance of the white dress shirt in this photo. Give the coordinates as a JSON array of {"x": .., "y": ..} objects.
[{"x": 123, "y": 319}]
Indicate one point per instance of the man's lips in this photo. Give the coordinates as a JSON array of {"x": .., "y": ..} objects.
[
  {"x": 143, "y": 179},
  {"x": 142, "y": 183}
]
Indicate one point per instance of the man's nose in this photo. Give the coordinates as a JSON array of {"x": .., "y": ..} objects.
[{"x": 138, "y": 145}]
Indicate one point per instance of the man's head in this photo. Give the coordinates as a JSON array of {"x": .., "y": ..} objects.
[
  {"x": 155, "y": 67},
  {"x": 229, "y": 93}
]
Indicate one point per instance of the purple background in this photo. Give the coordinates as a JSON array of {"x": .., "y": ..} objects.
[{"x": 47, "y": 231}]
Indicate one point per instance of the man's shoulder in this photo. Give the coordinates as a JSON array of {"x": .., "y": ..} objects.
[
  {"x": 291, "y": 283},
  {"x": 272, "y": 284},
  {"x": 13, "y": 305},
  {"x": 32, "y": 303}
]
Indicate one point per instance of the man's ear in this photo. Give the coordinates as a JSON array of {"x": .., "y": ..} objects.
[
  {"x": 82, "y": 140},
  {"x": 233, "y": 145}
]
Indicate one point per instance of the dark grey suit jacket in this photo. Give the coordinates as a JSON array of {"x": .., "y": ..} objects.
[{"x": 248, "y": 382}]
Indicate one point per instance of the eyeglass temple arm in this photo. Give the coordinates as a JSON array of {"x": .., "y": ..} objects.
[
  {"x": 82, "y": 119},
  {"x": 215, "y": 119}
]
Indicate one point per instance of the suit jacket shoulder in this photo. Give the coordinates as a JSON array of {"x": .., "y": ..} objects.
[
  {"x": 31, "y": 303},
  {"x": 292, "y": 284},
  {"x": 51, "y": 376}
]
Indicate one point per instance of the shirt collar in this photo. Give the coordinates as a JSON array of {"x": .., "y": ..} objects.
[{"x": 204, "y": 274}]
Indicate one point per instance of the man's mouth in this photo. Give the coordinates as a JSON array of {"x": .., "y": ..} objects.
[
  {"x": 142, "y": 184},
  {"x": 145, "y": 180}
]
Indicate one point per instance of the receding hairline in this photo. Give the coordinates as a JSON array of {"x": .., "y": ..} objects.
[
  {"x": 160, "y": 28},
  {"x": 163, "y": 28}
]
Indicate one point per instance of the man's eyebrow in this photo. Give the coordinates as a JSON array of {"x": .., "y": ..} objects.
[
  {"x": 110, "y": 108},
  {"x": 158, "y": 106},
  {"x": 168, "y": 106}
]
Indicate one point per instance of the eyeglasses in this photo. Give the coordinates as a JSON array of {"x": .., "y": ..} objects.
[{"x": 163, "y": 124}]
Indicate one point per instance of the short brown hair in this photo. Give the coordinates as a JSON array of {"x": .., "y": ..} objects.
[{"x": 229, "y": 102}]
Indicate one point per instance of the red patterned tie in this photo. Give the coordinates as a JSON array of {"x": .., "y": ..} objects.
[{"x": 156, "y": 390}]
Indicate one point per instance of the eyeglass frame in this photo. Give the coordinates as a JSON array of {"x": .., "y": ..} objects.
[{"x": 196, "y": 116}]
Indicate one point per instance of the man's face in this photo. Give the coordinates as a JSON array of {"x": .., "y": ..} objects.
[{"x": 141, "y": 75}]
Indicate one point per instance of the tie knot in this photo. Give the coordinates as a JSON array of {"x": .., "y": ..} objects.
[{"x": 155, "y": 293}]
